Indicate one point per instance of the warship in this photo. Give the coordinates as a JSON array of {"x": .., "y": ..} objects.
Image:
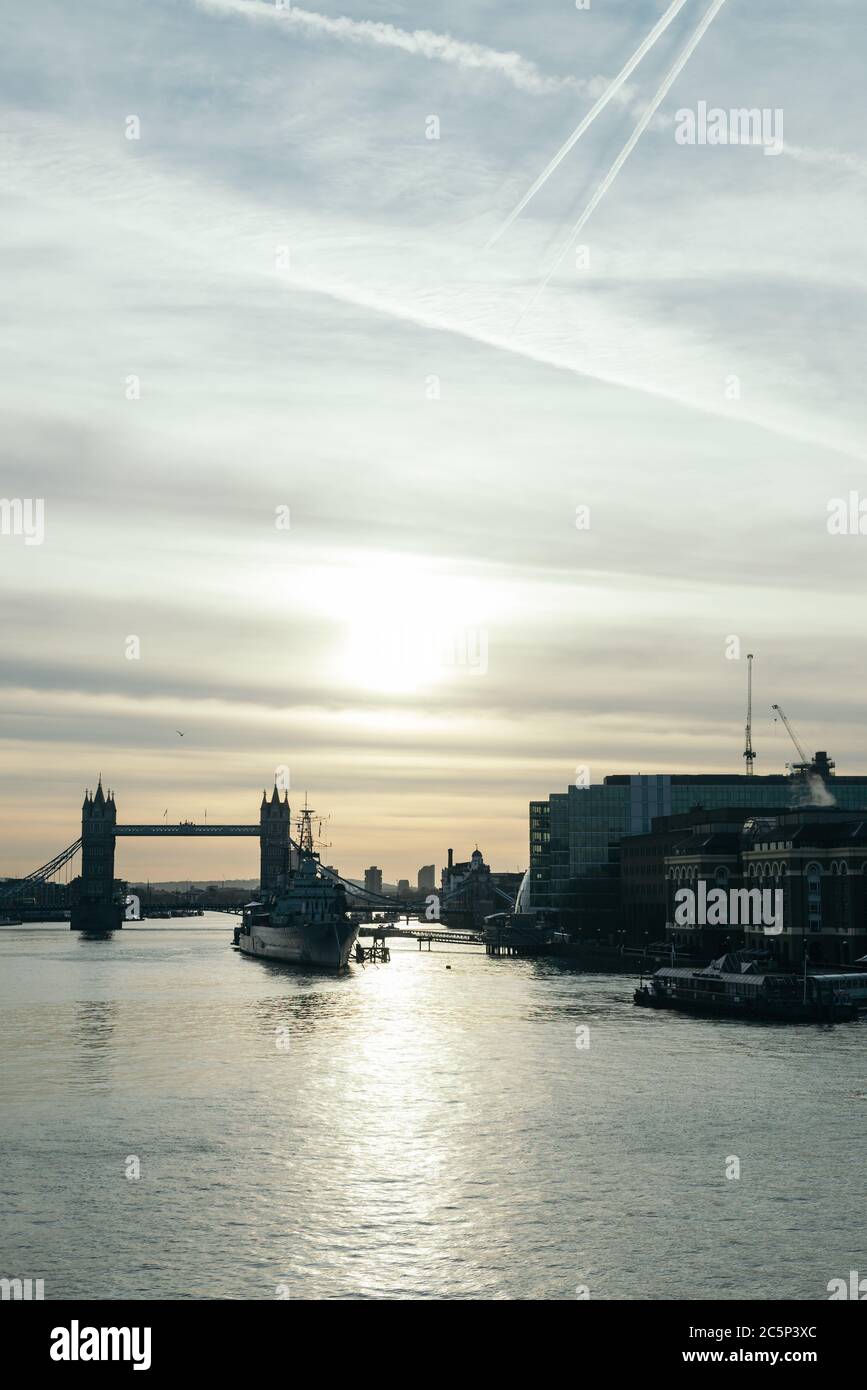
[{"x": 305, "y": 920}]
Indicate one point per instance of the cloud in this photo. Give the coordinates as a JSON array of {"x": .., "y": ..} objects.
[
  {"x": 422, "y": 43},
  {"x": 311, "y": 386},
  {"x": 833, "y": 159}
]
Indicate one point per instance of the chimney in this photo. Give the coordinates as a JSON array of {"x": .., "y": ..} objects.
[{"x": 451, "y": 859}]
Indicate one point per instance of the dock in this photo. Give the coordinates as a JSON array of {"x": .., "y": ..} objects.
[
  {"x": 424, "y": 937},
  {"x": 511, "y": 940}
]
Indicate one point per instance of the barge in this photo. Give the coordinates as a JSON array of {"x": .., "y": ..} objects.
[{"x": 732, "y": 987}]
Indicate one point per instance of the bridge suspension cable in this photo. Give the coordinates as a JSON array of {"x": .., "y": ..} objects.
[{"x": 44, "y": 871}]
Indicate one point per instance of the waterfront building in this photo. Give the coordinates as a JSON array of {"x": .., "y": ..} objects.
[
  {"x": 819, "y": 862},
  {"x": 35, "y": 893},
  {"x": 706, "y": 841},
  {"x": 403, "y": 887},
  {"x": 815, "y": 856},
  {"x": 576, "y": 836},
  {"x": 470, "y": 891}
]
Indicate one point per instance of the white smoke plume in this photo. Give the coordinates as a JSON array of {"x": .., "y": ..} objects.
[
  {"x": 812, "y": 791},
  {"x": 819, "y": 795}
]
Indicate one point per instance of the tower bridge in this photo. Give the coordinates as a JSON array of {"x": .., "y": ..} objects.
[{"x": 97, "y": 908}]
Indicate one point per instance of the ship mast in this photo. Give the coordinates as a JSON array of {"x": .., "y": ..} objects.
[{"x": 305, "y": 828}]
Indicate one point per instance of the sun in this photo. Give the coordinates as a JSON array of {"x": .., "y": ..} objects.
[{"x": 403, "y": 625}]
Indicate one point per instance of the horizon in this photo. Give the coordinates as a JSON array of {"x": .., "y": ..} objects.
[{"x": 134, "y": 857}]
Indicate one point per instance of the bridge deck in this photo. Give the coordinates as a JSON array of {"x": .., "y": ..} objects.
[{"x": 187, "y": 828}]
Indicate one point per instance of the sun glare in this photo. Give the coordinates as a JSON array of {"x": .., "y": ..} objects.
[{"x": 407, "y": 627}]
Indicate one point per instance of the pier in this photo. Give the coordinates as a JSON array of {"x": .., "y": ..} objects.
[{"x": 424, "y": 937}]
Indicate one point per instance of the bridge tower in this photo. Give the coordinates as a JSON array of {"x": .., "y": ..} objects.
[
  {"x": 96, "y": 909},
  {"x": 273, "y": 841}
]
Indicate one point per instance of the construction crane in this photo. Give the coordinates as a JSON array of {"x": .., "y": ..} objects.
[
  {"x": 748, "y": 748},
  {"x": 806, "y": 760}
]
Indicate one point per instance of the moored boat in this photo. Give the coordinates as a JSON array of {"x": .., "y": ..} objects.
[
  {"x": 305, "y": 921},
  {"x": 734, "y": 987}
]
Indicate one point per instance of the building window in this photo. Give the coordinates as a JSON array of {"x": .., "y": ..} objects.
[{"x": 814, "y": 896}]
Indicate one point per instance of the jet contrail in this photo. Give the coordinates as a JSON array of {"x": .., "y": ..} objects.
[
  {"x": 522, "y": 72},
  {"x": 667, "y": 83},
  {"x": 611, "y": 91}
]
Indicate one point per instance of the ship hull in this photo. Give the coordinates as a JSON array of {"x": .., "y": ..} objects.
[
  {"x": 326, "y": 947},
  {"x": 769, "y": 1011}
]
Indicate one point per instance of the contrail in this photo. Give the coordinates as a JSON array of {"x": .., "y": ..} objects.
[
  {"x": 665, "y": 87},
  {"x": 611, "y": 91},
  {"x": 423, "y": 43}
]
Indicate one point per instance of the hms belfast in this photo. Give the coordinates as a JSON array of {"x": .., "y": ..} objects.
[{"x": 304, "y": 920}]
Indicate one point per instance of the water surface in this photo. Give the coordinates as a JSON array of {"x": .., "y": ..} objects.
[{"x": 422, "y": 1129}]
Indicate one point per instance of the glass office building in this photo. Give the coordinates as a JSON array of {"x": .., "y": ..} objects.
[{"x": 575, "y": 835}]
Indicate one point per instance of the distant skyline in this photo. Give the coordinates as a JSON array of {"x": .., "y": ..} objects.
[{"x": 313, "y": 488}]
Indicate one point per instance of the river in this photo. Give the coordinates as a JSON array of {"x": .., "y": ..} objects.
[{"x": 182, "y": 1122}]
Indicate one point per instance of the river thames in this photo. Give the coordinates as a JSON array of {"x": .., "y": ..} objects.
[{"x": 181, "y": 1122}]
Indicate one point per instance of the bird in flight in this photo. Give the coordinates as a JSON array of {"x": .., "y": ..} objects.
[{"x": 179, "y": 734}]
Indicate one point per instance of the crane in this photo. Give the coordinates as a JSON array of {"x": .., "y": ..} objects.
[
  {"x": 806, "y": 760},
  {"x": 748, "y": 748}
]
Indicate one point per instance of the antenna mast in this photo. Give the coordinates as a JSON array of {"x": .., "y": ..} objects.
[{"x": 748, "y": 748}]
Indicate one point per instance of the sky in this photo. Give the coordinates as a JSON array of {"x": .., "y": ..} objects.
[{"x": 346, "y": 495}]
